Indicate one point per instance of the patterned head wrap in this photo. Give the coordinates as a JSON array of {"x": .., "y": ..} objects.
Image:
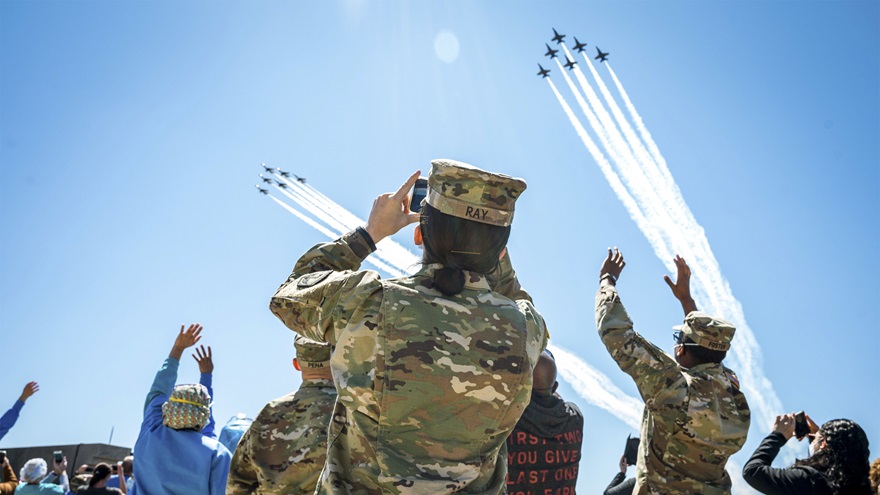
[{"x": 187, "y": 408}]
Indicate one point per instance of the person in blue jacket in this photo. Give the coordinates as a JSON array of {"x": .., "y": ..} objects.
[
  {"x": 7, "y": 421},
  {"x": 176, "y": 452}
]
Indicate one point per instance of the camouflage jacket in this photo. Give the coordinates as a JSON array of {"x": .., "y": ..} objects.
[
  {"x": 694, "y": 419},
  {"x": 429, "y": 386},
  {"x": 283, "y": 451}
]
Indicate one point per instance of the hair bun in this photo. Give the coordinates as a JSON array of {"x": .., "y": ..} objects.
[{"x": 449, "y": 280}]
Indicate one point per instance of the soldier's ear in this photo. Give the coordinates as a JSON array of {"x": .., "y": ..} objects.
[
  {"x": 417, "y": 235},
  {"x": 296, "y": 364},
  {"x": 555, "y": 386}
]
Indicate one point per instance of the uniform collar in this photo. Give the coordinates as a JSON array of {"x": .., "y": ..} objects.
[{"x": 472, "y": 280}]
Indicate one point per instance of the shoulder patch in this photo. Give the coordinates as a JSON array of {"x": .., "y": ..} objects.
[
  {"x": 311, "y": 279},
  {"x": 732, "y": 377}
]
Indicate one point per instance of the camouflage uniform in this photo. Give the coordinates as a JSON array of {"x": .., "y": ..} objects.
[
  {"x": 429, "y": 386},
  {"x": 283, "y": 451},
  {"x": 694, "y": 419}
]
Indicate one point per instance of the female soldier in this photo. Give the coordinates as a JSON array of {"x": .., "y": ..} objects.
[{"x": 434, "y": 370}]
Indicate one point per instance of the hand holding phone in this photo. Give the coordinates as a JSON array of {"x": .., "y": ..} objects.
[
  {"x": 419, "y": 192},
  {"x": 801, "y": 428}
]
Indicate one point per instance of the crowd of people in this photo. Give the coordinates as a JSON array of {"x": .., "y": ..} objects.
[{"x": 440, "y": 382}]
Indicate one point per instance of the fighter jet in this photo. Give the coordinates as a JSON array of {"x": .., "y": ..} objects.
[
  {"x": 578, "y": 45},
  {"x": 601, "y": 56},
  {"x": 543, "y": 72},
  {"x": 300, "y": 179},
  {"x": 570, "y": 64},
  {"x": 281, "y": 184},
  {"x": 282, "y": 173},
  {"x": 266, "y": 179},
  {"x": 262, "y": 191},
  {"x": 268, "y": 169},
  {"x": 550, "y": 52},
  {"x": 558, "y": 38}
]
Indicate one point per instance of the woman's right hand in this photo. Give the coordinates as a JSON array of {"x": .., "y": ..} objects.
[
  {"x": 622, "y": 464},
  {"x": 391, "y": 212},
  {"x": 785, "y": 425}
]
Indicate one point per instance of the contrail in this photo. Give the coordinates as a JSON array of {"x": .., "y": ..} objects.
[
  {"x": 330, "y": 234},
  {"x": 616, "y": 185},
  {"x": 596, "y": 388}
]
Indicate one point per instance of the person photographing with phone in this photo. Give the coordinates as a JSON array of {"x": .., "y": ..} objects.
[
  {"x": 695, "y": 416},
  {"x": 838, "y": 463},
  {"x": 432, "y": 370}
]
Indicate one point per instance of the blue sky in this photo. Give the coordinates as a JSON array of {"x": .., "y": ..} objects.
[{"x": 131, "y": 133}]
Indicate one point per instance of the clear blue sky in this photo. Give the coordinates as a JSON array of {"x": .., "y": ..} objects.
[{"x": 131, "y": 133}]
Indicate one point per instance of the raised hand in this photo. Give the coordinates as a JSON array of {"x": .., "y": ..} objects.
[
  {"x": 390, "y": 211},
  {"x": 784, "y": 424},
  {"x": 681, "y": 289},
  {"x": 186, "y": 339},
  {"x": 612, "y": 266},
  {"x": 30, "y": 389},
  {"x": 622, "y": 464},
  {"x": 204, "y": 358}
]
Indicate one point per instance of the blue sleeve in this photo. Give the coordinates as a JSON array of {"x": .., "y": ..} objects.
[
  {"x": 206, "y": 380},
  {"x": 220, "y": 470},
  {"x": 162, "y": 387},
  {"x": 10, "y": 417}
]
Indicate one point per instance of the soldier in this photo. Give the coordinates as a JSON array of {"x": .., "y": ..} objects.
[
  {"x": 695, "y": 416},
  {"x": 284, "y": 449},
  {"x": 433, "y": 370}
]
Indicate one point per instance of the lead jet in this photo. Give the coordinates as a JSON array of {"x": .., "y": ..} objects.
[
  {"x": 266, "y": 179},
  {"x": 570, "y": 64},
  {"x": 558, "y": 38},
  {"x": 578, "y": 45},
  {"x": 282, "y": 173},
  {"x": 601, "y": 56},
  {"x": 268, "y": 169},
  {"x": 543, "y": 72},
  {"x": 262, "y": 191},
  {"x": 550, "y": 52},
  {"x": 300, "y": 179},
  {"x": 281, "y": 184}
]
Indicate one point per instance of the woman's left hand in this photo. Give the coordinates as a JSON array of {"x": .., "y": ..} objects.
[
  {"x": 391, "y": 212},
  {"x": 784, "y": 424}
]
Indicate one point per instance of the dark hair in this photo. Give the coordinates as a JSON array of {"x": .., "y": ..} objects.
[
  {"x": 844, "y": 460},
  {"x": 703, "y": 355},
  {"x": 459, "y": 244},
  {"x": 102, "y": 471}
]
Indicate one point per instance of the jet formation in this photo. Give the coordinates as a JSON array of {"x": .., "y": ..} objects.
[
  {"x": 569, "y": 63},
  {"x": 278, "y": 173}
]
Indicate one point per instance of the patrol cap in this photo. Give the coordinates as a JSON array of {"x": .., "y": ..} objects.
[
  {"x": 188, "y": 407},
  {"x": 464, "y": 191},
  {"x": 311, "y": 354},
  {"x": 706, "y": 331}
]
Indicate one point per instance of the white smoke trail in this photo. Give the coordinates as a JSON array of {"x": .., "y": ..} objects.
[
  {"x": 596, "y": 388},
  {"x": 345, "y": 221},
  {"x": 324, "y": 230},
  {"x": 635, "y": 210}
]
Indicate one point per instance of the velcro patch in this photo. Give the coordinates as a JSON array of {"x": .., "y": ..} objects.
[
  {"x": 733, "y": 378},
  {"x": 311, "y": 279}
]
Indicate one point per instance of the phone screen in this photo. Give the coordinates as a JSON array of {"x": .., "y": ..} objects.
[
  {"x": 800, "y": 425},
  {"x": 419, "y": 192}
]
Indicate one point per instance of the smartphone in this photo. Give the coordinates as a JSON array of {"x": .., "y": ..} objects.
[
  {"x": 631, "y": 451},
  {"x": 59, "y": 456},
  {"x": 2, "y": 456},
  {"x": 419, "y": 192},
  {"x": 801, "y": 428}
]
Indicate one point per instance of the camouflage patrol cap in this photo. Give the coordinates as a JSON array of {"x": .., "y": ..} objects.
[
  {"x": 712, "y": 333},
  {"x": 464, "y": 191},
  {"x": 311, "y": 354},
  {"x": 189, "y": 407}
]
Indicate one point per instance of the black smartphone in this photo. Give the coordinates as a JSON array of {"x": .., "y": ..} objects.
[
  {"x": 2, "y": 456},
  {"x": 419, "y": 192},
  {"x": 801, "y": 428},
  {"x": 631, "y": 451},
  {"x": 59, "y": 456}
]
